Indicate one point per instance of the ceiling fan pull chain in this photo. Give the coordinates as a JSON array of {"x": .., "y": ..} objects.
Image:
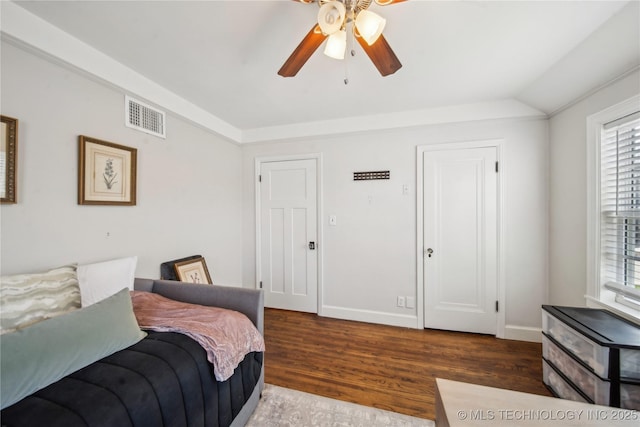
[
  {"x": 346, "y": 71},
  {"x": 350, "y": 37}
]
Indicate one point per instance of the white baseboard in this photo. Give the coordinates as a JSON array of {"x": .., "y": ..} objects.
[
  {"x": 512, "y": 332},
  {"x": 369, "y": 316},
  {"x": 522, "y": 333}
]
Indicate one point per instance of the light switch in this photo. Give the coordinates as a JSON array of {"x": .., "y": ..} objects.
[{"x": 333, "y": 220}]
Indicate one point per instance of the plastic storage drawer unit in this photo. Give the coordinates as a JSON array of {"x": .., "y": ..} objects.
[
  {"x": 594, "y": 355},
  {"x": 594, "y": 352}
]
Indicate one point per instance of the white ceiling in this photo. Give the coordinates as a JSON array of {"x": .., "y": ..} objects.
[{"x": 223, "y": 56}]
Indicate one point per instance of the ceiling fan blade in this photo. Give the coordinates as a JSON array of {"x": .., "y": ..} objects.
[
  {"x": 385, "y": 2},
  {"x": 303, "y": 52},
  {"x": 381, "y": 55}
]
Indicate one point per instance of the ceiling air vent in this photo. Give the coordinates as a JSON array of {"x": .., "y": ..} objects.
[{"x": 144, "y": 117}]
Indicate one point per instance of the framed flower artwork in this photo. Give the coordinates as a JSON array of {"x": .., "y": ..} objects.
[
  {"x": 193, "y": 271},
  {"x": 106, "y": 173}
]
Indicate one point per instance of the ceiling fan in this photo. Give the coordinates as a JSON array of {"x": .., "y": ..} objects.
[{"x": 333, "y": 18}]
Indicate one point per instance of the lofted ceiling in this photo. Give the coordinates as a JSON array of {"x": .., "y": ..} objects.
[{"x": 222, "y": 56}]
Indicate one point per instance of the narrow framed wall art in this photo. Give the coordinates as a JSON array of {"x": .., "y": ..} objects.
[{"x": 8, "y": 159}]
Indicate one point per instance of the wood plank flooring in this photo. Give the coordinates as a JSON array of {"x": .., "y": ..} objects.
[{"x": 389, "y": 367}]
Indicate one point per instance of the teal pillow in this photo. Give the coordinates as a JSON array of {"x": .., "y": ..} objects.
[{"x": 41, "y": 354}]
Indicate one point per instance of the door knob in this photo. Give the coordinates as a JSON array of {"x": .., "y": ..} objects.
[
  {"x": 429, "y": 251},
  {"x": 312, "y": 245}
]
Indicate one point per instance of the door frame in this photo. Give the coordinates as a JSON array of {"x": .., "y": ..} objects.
[
  {"x": 501, "y": 273},
  {"x": 319, "y": 222}
]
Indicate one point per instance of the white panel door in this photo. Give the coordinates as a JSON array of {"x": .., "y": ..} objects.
[
  {"x": 460, "y": 239},
  {"x": 288, "y": 234}
]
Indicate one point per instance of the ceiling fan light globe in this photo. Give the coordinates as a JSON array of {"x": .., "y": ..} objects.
[
  {"x": 370, "y": 25},
  {"x": 331, "y": 16},
  {"x": 336, "y": 45}
]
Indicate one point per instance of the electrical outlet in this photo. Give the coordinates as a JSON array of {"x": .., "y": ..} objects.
[
  {"x": 411, "y": 302},
  {"x": 400, "y": 301}
]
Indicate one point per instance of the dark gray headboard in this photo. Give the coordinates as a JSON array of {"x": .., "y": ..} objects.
[{"x": 250, "y": 302}]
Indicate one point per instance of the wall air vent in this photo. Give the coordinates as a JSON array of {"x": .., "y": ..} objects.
[
  {"x": 365, "y": 176},
  {"x": 143, "y": 117}
]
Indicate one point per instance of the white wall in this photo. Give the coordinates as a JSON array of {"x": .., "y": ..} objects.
[
  {"x": 196, "y": 195},
  {"x": 370, "y": 256},
  {"x": 189, "y": 185},
  {"x": 568, "y": 190}
]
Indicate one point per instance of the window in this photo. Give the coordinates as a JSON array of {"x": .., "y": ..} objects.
[
  {"x": 620, "y": 208},
  {"x": 613, "y": 209}
]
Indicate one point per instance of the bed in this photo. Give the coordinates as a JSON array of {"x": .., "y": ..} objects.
[{"x": 163, "y": 379}]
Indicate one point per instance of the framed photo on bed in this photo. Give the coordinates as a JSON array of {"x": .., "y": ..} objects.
[
  {"x": 193, "y": 271},
  {"x": 106, "y": 173}
]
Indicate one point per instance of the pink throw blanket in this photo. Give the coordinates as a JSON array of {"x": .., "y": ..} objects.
[{"x": 226, "y": 335}]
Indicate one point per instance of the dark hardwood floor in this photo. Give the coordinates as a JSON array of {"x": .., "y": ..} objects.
[{"x": 389, "y": 367}]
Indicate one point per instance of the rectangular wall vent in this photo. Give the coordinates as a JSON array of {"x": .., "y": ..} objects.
[
  {"x": 365, "y": 176},
  {"x": 143, "y": 117}
]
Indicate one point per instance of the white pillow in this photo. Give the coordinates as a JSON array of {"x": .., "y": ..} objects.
[{"x": 100, "y": 280}]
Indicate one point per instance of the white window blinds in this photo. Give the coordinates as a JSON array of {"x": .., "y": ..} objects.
[{"x": 620, "y": 202}]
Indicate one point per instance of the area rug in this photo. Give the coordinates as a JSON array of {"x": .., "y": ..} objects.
[{"x": 285, "y": 407}]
